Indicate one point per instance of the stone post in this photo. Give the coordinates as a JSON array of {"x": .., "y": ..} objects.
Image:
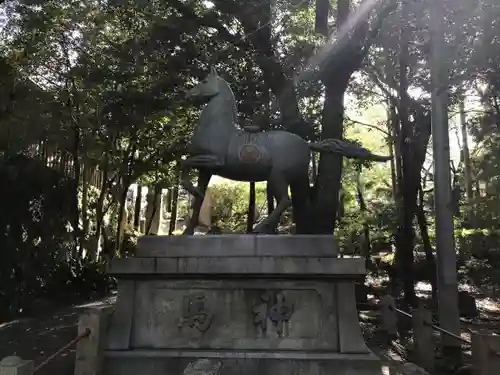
[
  {"x": 485, "y": 353},
  {"x": 388, "y": 315},
  {"x": 16, "y": 366},
  {"x": 424, "y": 347},
  {"x": 89, "y": 351}
]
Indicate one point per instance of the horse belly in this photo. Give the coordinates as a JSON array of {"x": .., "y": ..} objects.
[
  {"x": 244, "y": 173},
  {"x": 248, "y": 158}
]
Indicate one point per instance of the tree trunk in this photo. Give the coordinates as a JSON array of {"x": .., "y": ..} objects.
[
  {"x": 85, "y": 217},
  {"x": 168, "y": 199},
  {"x": 477, "y": 191},
  {"x": 366, "y": 249},
  {"x": 335, "y": 75},
  {"x": 449, "y": 316},
  {"x": 467, "y": 164},
  {"x": 270, "y": 201},
  {"x": 120, "y": 230},
  {"x": 76, "y": 170},
  {"x": 394, "y": 182},
  {"x": 154, "y": 209},
  {"x": 173, "y": 214},
  {"x": 326, "y": 193},
  {"x": 424, "y": 232},
  {"x": 100, "y": 212},
  {"x": 137, "y": 207},
  {"x": 251, "y": 208},
  {"x": 405, "y": 236},
  {"x": 341, "y": 210},
  {"x": 322, "y": 12},
  {"x": 175, "y": 201},
  {"x": 150, "y": 209},
  {"x": 392, "y": 123},
  {"x": 413, "y": 162}
]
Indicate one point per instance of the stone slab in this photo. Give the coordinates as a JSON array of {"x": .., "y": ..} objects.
[
  {"x": 231, "y": 309},
  {"x": 201, "y": 266},
  {"x": 237, "y": 246}
]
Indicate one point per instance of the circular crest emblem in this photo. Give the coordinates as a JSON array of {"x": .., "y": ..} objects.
[{"x": 249, "y": 153}]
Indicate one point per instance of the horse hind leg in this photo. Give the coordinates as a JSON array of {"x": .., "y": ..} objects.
[
  {"x": 278, "y": 187},
  {"x": 301, "y": 203},
  {"x": 203, "y": 181}
]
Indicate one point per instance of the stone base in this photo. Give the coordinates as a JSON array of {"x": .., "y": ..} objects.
[
  {"x": 236, "y": 305},
  {"x": 241, "y": 363}
]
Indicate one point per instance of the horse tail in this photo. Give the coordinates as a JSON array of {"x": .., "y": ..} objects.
[{"x": 349, "y": 149}]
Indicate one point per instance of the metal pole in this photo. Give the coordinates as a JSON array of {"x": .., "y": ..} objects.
[
  {"x": 437, "y": 328},
  {"x": 444, "y": 332},
  {"x": 449, "y": 317},
  {"x": 64, "y": 349}
]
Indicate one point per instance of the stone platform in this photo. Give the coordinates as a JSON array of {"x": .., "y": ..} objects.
[{"x": 239, "y": 304}]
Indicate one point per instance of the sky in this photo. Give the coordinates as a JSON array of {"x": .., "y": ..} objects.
[{"x": 3, "y": 18}]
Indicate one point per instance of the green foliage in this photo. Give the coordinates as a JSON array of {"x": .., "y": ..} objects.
[
  {"x": 231, "y": 205},
  {"x": 36, "y": 239}
]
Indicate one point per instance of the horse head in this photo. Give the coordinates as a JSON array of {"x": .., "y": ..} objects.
[
  {"x": 207, "y": 88},
  {"x": 215, "y": 87}
]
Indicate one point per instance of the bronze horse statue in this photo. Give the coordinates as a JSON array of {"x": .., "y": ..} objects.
[{"x": 219, "y": 147}]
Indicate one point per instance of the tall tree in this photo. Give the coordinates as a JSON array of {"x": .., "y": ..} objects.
[
  {"x": 467, "y": 162},
  {"x": 449, "y": 316},
  {"x": 404, "y": 258}
]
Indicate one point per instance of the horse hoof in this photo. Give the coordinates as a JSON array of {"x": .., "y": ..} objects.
[{"x": 262, "y": 229}]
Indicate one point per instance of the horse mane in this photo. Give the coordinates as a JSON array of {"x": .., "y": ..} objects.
[{"x": 228, "y": 88}]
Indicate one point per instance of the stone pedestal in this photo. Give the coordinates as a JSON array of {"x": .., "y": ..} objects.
[{"x": 239, "y": 304}]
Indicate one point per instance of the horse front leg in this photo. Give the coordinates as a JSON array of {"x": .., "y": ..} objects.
[
  {"x": 196, "y": 162},
  {"x": 186, "y": 181},
  {"x": 204, "y": 163},
  {"x": 203, "y": 181}
]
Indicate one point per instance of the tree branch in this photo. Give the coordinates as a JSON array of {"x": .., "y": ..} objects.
[
  {"x": 210, "y": 19},
  {"x": 381, "y": 15},
  {"x": 385, "y": 132}
]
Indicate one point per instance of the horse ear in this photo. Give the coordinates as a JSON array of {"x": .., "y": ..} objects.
[{"x": 213, "y": 71}]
